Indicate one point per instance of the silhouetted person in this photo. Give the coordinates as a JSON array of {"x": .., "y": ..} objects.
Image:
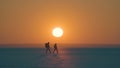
[
  {"x": 47, "y": 46},
  {"x": 55, "y": 48}
]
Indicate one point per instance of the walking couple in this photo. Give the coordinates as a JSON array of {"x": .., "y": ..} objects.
[{"x": 47, "y": 46}]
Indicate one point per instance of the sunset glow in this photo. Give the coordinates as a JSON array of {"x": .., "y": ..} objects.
[{"x": 81, "y": 22}]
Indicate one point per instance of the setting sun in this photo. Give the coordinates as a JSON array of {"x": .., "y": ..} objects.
[{"x": 57, "y": 32}]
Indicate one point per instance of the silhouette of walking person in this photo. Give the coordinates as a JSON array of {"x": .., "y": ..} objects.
[
  {"x": 55, "y": 48},
  {"x": 47, "y": 46}
]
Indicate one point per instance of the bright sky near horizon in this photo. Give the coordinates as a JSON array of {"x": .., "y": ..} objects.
[{"x": 83, "y": 21}]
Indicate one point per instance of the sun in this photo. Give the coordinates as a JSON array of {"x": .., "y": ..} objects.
[{"x": 57, "y": 32}]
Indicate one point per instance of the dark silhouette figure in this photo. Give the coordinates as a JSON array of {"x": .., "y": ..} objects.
[
  {"x": 55, "y": 48},
  {"x": 47, "y": 46}
]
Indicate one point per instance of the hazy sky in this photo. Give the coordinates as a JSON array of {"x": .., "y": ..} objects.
[{"x": 83, "y": 21}]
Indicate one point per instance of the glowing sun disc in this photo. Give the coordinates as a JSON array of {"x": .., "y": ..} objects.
[{"x": 57, "y": 32}]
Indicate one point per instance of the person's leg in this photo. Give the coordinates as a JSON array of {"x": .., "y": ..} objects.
[
  {"x": 46, "y": 51},
  {"x": 49, "y": 50},
  {"x": 53, "y": 51},
  {"x": 57, "y": 51}
]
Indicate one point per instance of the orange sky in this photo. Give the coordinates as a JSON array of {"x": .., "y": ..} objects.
[{"x": 83, "y": 21}]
